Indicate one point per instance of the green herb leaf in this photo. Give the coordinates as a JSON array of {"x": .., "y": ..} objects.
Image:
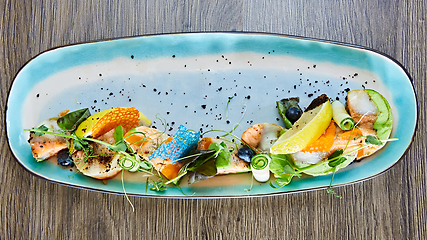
[
  {"x": 335, "y": 154},
  {"x": 145, "y": 165},
  {"x": 119, "y": 146},
  {"x": 118, "y": 133},
  {"x": 41, "y": 128},
  {"x": 222, "y": 155},
  {"x": 284, "y": 105},
  {"x": 70, "y": 121},
  {"x": 336, "y": 158},
  {"x": 158, "y": 186},
  {"x": 331, "y": 191},
  {"x": 194, "y": 162},
  {"x": 373, "y": 140},
  {"x": 337, "y": 161},
  {"x": 283, "y": 168},
  {"x": 79, "y": 144},
  {"x": 204, "y": 166}
]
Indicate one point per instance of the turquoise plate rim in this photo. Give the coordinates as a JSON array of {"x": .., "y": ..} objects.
[{"x": 398, "y": 64}]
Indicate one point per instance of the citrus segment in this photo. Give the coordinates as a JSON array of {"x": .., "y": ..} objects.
[
  {"x": 126, "y": 117},
  {"x": 311, "y": 125},
  {"x": 104, "y": 121},
  {"x": 85, "y": 128}
]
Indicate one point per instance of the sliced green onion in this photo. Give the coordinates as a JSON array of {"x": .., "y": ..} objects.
[
  {"x": 127, "y": 164},
  {"x": 341, "y": 117},
  {"x": 260, "y": 167}
]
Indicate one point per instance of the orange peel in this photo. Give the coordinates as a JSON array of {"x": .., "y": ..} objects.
[{"x": 126, "y": 117}]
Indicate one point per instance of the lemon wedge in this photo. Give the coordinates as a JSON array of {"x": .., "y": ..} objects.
[
  {"x": 110, "y": 118},
  {"x": 307, "y": 129}
]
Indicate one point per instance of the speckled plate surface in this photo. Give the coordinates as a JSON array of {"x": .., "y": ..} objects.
[{"x": 187, "y": 79}]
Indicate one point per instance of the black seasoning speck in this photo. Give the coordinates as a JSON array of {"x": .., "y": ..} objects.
[
  {"x": 155, "y": 90},
  {"x": 37, "y": 95},
  {"x": 204, "y": 106},
  {"x": 131, "y": 56},
  {"x": 228, "y": 121},
  {"x": 347, "y": 89},
  {"x": 355, "y": 74},
  {"x": 94, "y": 101},
  {"x": 310, "y": 95},
  {"x": 167, "y": 113},
  {"x": 111, "y": 94},
  {"x": 248, "y": 97},
  {"x": 100, "y": 75},
  {"x": 173, "y": 56},
  {"x": 295, "y": 86},
  {"x": 314, "y": 66}
]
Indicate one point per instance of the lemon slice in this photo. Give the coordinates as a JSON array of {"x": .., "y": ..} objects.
[
  {"x": 102, "y": 122},
  {"x": 307, "y": 129}
]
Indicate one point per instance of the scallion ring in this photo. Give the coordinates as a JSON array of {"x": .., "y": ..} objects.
[{"x": 127, "y": 163}]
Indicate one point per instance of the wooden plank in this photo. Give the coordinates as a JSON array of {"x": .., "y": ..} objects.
[{"x": 391, "y": 206}]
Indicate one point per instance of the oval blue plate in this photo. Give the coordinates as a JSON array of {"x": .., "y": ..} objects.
[{"x": 205, "y": 81}]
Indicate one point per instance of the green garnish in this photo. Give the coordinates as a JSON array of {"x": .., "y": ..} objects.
[
  {"x": 42, "y": 129},
  {"x": 70, "y": 121},
  {"x": 260, "y": 161},
  {"x": 158, "y": 186},
  {"x": 282, "y": 167},
  {"x": 373, "y": 140}
]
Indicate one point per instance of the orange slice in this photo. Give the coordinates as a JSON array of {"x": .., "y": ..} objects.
[
  {"x": 323, "y": 143},
  {"x": 104, "y": 121},
  {"x": 126, "y": 117}
]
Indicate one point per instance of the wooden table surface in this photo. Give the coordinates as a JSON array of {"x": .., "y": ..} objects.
[{"x": 390, "y": 206}]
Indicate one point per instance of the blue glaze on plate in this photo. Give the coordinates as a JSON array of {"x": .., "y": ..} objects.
[{"x": 182, "y": 47}]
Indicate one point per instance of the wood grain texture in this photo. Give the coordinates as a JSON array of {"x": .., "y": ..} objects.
[{"x": 391, "y": 206}]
